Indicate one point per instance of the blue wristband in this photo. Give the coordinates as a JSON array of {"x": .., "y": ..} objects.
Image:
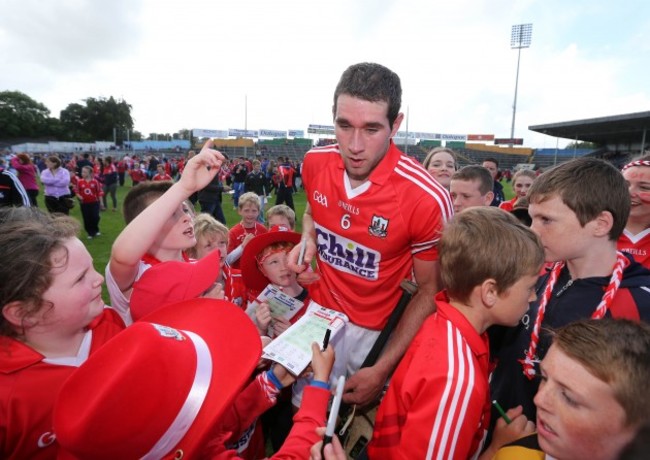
[
  {"x": 320, "y": 384},
  {"x": 273, "y": 379}
]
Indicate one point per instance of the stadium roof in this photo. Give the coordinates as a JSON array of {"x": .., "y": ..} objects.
[{"x": 617, "y": 129}]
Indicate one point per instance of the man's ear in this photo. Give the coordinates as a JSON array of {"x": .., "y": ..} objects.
[
  {"x": 15, "y": 314},
  {"x": 603, "y": 223},
  {"x": 489, "y": 196},
  {"x": 489, "y": 294}
]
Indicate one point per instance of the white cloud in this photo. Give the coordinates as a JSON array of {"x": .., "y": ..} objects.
[{"x": 192, "y": 64}]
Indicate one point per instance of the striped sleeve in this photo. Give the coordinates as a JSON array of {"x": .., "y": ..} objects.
[
  {"x": 18, "y": 195},
  {"x": 434, "y": 406}
]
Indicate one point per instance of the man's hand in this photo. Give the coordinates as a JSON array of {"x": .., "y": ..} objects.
[
  {"x": 310, "y": 253},
  {"x": 364, "y": 386}
]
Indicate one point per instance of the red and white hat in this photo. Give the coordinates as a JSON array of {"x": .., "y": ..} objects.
[
  {"x": 157, "y": 389},
  {"x": 171, "y": 282},
  {"x": 253, "y": 277}
]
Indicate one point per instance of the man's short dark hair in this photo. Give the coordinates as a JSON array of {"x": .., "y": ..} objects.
[
  {"x": 371, "y": 82},
  {"x": 493, "y": 160}
]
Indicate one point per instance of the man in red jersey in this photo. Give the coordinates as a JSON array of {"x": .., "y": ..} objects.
[{"x": 373, "y": 218}]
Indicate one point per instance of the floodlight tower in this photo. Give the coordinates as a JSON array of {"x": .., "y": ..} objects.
[{"x": 521, "y": 37}]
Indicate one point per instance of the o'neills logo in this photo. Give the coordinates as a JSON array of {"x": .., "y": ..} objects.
[
  {"x": 46, "y": 439},
  {"x": 346, "y": 255}
]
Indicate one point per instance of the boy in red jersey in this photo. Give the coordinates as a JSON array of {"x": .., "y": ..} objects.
[
  {"x": 579, "y": 210},
  {"x": 635, "y": 239},
  {"x": 212, "y": 235},
  {"x": 249, "y": 208},
  {"x": 159, "y": 225},
  {"x": 373, "y": 218},
  {"x": 161, "y": 174},
  {"x": 89, "y": 191},
  {"x": 438, "y": 402}
]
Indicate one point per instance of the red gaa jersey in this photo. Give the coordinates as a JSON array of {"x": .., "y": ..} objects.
[
  {"x": 237, "y": 234},
  {"x": 89, "y": 191},
  {"x": 28, "y": 387},
  {"x": 438, "y": 401},
  {"x": 367, "y": 236},
  {"x": 638, "y": 246}
]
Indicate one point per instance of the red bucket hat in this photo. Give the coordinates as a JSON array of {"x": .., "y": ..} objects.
[
  {"x": 157, "y": 389},
  {"x": 253, "y": 277},
  {"x": 171, "y": 282}
]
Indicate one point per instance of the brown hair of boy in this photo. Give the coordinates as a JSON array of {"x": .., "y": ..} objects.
[
  {"x": 588, "y": 186},
  {"x": 616, "y": 351},
  {"x": 476, "y": 173},
  {"x": 141, "y": 196},
  {"x": 483, "y": 243}
]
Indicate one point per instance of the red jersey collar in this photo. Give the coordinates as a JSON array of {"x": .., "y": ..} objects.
[
  {"x": 384, "y": 169},
  {"x": 478, "y": 343}
]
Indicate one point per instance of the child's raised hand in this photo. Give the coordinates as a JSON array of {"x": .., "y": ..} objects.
[
  {"x": 322, "y": 361},
  {"x": 201, "y": 168},
  {"x": 263, "y": 317}
]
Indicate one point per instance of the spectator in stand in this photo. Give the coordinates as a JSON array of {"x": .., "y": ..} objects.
[
  {"x": 441, "y": 164},
  {"x": 109, "y": 173},
  {"x": 56, "y": 180},
  {"x": 492, "y": 165},
  {"x": 27, "y": 172},
  {"x": 284, "y": 192},
  {"x": 161, "y": 174},
  {"x": 521, "y": 183}
]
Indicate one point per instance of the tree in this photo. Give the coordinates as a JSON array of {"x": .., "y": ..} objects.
[
  {"x": 99, "y": 119},
  {"x": 22, "y": 116}
]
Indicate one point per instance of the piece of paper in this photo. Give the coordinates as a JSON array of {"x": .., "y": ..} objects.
[
  {"x": 292, "y": 349},
  {"x": 280, "y": 304}
]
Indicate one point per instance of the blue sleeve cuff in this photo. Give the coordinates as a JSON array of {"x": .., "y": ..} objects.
[
  {"x": 272, "y": 378},
  {"x": 320, "y": 384}
]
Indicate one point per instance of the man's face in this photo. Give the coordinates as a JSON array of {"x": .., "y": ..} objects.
[
  {"x": 466, "y": 194},
  {"x": 492, "y": 167},
  {"x": 363, "y": 133}
]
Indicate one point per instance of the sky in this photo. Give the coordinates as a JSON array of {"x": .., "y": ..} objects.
[{"x": 215, "y": 64}]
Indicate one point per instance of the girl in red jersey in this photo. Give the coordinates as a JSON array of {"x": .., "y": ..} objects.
[
  {"x": 53, "y": 318},
  {"x": 636, "y": 236},
  {"x": 521, "y": 182},
  {"x": 89, "y": 191}
]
